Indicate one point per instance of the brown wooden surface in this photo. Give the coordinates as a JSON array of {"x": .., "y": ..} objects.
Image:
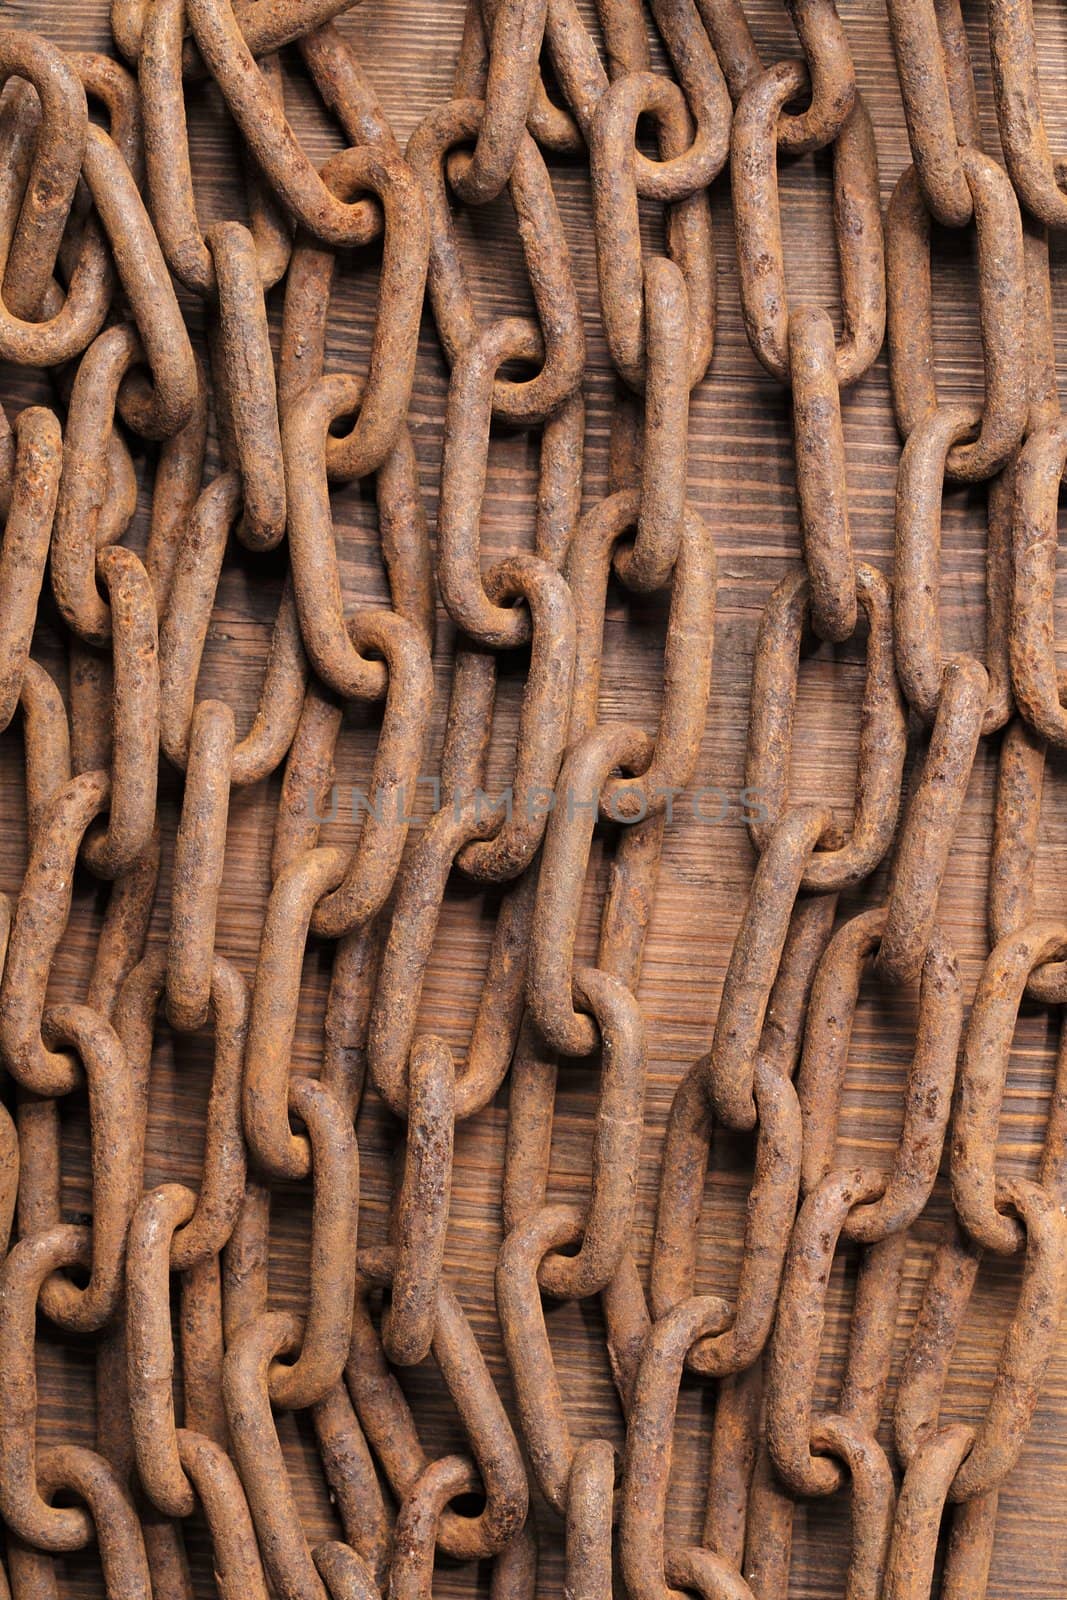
[{"x": 741, "y": 477}]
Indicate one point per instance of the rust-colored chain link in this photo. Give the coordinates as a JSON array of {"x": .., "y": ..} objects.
[{"x": 192, "y": 1409}]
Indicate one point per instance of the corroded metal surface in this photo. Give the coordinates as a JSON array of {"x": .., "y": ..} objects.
[{"x": 96, "y": 223}]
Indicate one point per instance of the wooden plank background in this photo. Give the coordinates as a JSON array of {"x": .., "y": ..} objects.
[{"x": 741, "y": 478}]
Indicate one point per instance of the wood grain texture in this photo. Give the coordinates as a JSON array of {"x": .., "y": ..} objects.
[{"x": 741, "y": 478}]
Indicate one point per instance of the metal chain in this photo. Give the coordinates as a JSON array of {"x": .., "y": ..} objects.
[{"x": 190, "y": 1409}]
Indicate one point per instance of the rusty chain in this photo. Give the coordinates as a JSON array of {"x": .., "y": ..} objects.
[{"x": 104, "y": 268}]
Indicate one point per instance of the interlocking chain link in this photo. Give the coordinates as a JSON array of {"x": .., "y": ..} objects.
[{"x": 221, "y": 436}]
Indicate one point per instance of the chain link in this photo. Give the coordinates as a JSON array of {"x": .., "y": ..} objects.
[{"x": 191, "y": 1409}]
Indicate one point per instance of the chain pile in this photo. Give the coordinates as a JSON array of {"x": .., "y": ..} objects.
[{"x": 98, "y": 224}]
